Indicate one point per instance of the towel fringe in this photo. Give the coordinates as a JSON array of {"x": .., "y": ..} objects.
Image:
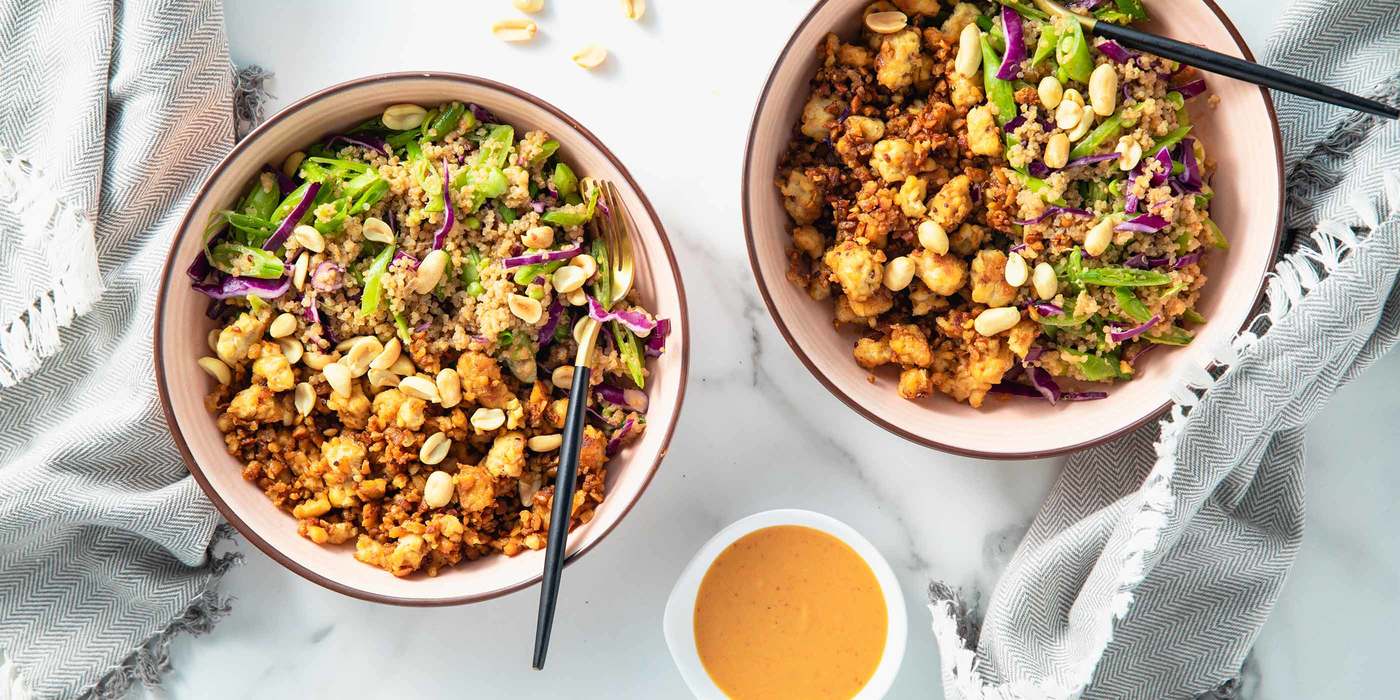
[
  {"x": 67, "y": 237},
  {"x": 12, "y": 684},
  {"x": 1295, "y": 275}
]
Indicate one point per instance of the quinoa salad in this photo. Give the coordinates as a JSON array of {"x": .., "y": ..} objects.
[
  {"x": 997, "y": 201},
  {"x": 397, "y": 310}
]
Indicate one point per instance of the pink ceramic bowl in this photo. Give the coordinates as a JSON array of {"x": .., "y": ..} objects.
[
  {"x": 181, "y": 327},
  {"x": 1241, "y": 135}
]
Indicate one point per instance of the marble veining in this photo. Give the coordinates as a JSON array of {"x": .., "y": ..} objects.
[{"x": 757, "y": 431}]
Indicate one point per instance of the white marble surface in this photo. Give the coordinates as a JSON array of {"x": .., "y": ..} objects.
[{"x": 757, "y": 431}]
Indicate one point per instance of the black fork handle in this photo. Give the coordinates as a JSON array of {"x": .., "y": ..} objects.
[
  {"x": 1240, "y": 69},
  {"x": 565, "y": 482}
]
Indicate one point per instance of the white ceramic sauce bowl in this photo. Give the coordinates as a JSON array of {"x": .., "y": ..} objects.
[{"x": 679, "y": 621}]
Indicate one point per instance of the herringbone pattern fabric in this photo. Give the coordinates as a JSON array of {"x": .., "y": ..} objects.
[
  {"x": 1156, "y": 560},
  {"x": 110, "y": 114}
]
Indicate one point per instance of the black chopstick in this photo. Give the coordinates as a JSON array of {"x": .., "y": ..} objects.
[
  {"x": 565, "y": 478},
  {"x": 1241, "y": 69}
]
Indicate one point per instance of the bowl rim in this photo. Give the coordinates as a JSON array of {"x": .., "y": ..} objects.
[
  {"x": 871, "y": 416},
  {"x": 678, "y": 617},
  {"x": 170, "y": 268}
]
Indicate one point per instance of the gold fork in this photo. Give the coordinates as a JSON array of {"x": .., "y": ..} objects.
[{"x": 615, "y": 229}]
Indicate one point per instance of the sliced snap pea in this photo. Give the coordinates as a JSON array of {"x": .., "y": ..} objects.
[
  {"x": 526, "y": 274},
  {"x": 1113, "y": 276},
  {"x": 602, "y": 282},
  {"x": 333, "y": 224},
  {"x": 999, "y": 92},
  {"x": 249, "y": 229},
  {"x": 1045, "y": 45},
  {"x": 564, "y": 180},
  {"x": 1131, "y": 305},
  {"x": 1172, "y": 335},
  {"x": 401, "y": 325},
  {"x": 1025, "y": 10},
  {"x": 1105, "y": 132},
  {"x": 630, "y": 350},
  {"x": 1072, "y": 53},
  {"x": 1095, "y": 368},
  {"x": 572, "y": 216},
  {"x": 367, "y": 196},
  {"x": 1193, "y": 316},
  {"x": 471, "y": 272},
  {"x": 246, "y": 261},
  {"x": 374, "y": 281},
  {"x": 261, "y": 200},
  {"x": 446, "y": 121},
  {"x": 1172, "y": 138},
  {"x": 547, "y": 149},
  {"x": 290, "y": 202},
  {"x": 1217, "y": 237},
  {"x": 1122, "y": 12},
  {"x": 1062, "y": 321}
]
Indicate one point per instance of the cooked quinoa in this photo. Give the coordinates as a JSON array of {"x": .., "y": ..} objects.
[
  {"x": 393, "y": 364},
  {"x": 989, "y": 219}
]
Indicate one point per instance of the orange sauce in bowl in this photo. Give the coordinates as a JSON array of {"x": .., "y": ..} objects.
[{"x": 790, "y": 612}]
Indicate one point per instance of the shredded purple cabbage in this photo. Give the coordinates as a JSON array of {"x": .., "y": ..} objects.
[
  {"x": 1161, "y": 175},
  {"x": 1045, "y": 308},
  {"x": 1090, "y": 160},
  {"x": 283, "y": 231},
  {"x": 656, "y": 342},
  {"x": 449, "y": 218},
  {"x": 635, "y": 321},
  {"x": 1192, "y": 89},
  {"x": 285, "y": 185},
  {"x": 1015, "y": 45},
  {"x": 235, "y": 287},
  {"x": 1042, "y": 382},
  {"x": 370, "y": 141},
  {"x": 309, "y": 310},
  {"x": 482, "y": 114},
  {"x": 1083, "y": 395},
  {"x": 1114, "y": 51},
  {"x": 1190, "y": 179},
  {"x": 1015, "y": 389},
  {"x": 556, "y": 310},
  {"x": 401, "y": 255},
  {"x": 615, "y": 442},
  {"x": 1119, "y": 335},
  {"x": 1145, "y": 223},
  {"x": 541, "y": 257},
  {"x": 1053, "y": 210},
  {"x": 327, "y": 277}
]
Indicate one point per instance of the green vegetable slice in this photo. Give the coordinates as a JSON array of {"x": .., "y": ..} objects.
[
  {"x": 571, "y": 216},
  {"x": 999, "y": 92},
  {"x": 374, "y": 281},
  {"x": 1217, "y": 237},
  {"x": 630, "y": 350},
  {"x": 1171, "y": 335},
  {"x": 1131, "y": 305},
  {"x": 602, "y": 281},
  {"x": 1113, "y": 276},
  {"x": 1095, "y": 368},
  {"x": 1105, "y": 132},
  {"x": 1072, "y": 53},
  {"x": 246, "y": 261}
]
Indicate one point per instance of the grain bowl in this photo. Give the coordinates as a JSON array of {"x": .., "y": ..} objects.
[
  {"x": 903, "y": 156},
  {"x": 426, "y": 454}
]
